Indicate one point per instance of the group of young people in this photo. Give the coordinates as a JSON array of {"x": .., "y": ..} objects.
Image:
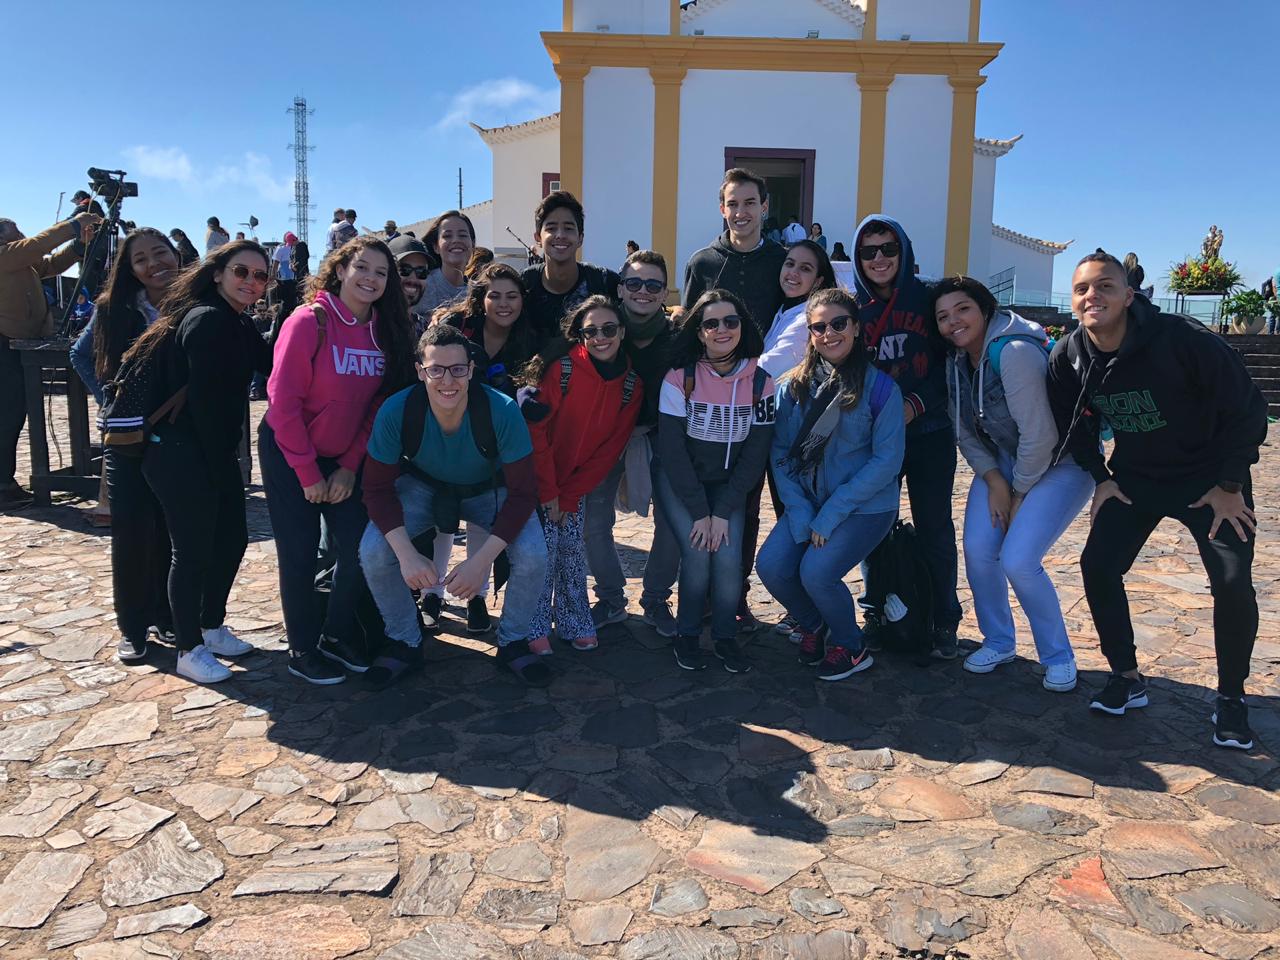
[{"x": 406, "y": 400}]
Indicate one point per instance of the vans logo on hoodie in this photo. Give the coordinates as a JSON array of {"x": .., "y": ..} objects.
[
  {"x": 1131, "y": 411},
  {"x": 358, "y": 363}
]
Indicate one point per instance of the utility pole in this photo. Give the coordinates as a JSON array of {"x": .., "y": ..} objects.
[
  {"x": 301, "y": 186},
  {"x": 459, "y": 188}
]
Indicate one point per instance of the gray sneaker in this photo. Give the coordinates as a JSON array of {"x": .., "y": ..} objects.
[
  {"x": 658, "y": 616},
  {"x": 603, "y": 613}
]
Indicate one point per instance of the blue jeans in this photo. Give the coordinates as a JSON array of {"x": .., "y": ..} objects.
[
  {"x": 809, "y": 580},
  {"x": 527, "y": 554},
  {"x": 700, "y": 570},
  {"x": 661, "y": 565},
  {"x": 995, "y": 560}
]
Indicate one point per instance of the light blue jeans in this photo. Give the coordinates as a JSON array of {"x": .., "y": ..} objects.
[
  {"x": 527, "y": 554},
  {"x": 809, "y": 580},
  {"x": 995, "y": 560}
]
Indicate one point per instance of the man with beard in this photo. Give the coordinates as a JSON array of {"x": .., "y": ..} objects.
[{"x": 413, "y": 264}]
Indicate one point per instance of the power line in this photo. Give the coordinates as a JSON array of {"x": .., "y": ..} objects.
[{"x": 302, "y": 205}]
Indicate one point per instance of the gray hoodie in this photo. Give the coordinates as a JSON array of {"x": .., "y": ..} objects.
[{"x": 1005, "y": 411}]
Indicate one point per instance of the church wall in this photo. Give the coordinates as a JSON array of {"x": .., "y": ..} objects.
[
  {"x": 1033, "y": 270},
  {"x": 799, "y": 111},
  {"x": 617, "y": 168},
  {"x": 517, "y": 185},
  {"x": 632, "y": 16},
  {"x": 768, "y": 18},
  {"x": 984, "y": 193},
  {"x": 917, "y": 161},
  {"x": 940, "y": 20}
]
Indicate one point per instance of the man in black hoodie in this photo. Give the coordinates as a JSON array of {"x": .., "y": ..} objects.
[
  {"x": 1187, "y": 421},
  {"x": 745, "y": 263}
]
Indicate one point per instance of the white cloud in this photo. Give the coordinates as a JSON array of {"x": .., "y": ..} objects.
[
  {"x": 252, "y": 173},
  {"x": 160, "y": 163},
  {"x": 499, "y": 101}
]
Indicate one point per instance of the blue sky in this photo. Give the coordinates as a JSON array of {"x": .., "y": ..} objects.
[{"x": 1140, "y": 129}]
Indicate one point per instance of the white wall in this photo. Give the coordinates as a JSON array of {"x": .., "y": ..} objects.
[
  {"x": 1033, "y": 270},
  {"x": 622, "y": 16},
  {"x": 946, "y": 20},
  {"x": 517, "y": 184},
  {"x": 984, "y": 193},
  {"x": 796, "y": 111},
  {"x": 481, "y": 215},
  {"x": 617, "y": 162},
  {"x": 769, "y": 18},
  {"x": 917, "y": 159}
]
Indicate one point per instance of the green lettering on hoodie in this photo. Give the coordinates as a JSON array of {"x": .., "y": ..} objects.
[{"x": 1130, "y": 411}]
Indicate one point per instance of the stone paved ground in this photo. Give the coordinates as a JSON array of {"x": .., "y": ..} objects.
[{"x": 631, "y": 811}]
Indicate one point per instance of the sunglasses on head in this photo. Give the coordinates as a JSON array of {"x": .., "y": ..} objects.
[
  {"x": 606, "y": 331},
  {"x": 730, "y": 322},
  {"x": 240, "y": 271},
  {"x": 837, "y": 325},
  {"x": 408, "y": 271},
  {"x": 635, "y": 285},
  {"x": 890, "y": 249}
]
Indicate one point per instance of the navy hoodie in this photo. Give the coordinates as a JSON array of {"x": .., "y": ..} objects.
[
  {"x": 753, "y": 276},
  {"x": 897, "y": 331}
]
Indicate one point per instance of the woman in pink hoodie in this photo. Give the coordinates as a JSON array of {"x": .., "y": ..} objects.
[{"x": 337, "y": 356}]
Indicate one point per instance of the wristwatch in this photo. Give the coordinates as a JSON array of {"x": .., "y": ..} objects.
[{"x": 1230, "y": 486}]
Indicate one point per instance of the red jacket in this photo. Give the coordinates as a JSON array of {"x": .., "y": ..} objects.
[{"x": 579, "y": 441}]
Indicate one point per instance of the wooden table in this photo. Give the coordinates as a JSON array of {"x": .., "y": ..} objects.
[{"x": 81, "y": 477}]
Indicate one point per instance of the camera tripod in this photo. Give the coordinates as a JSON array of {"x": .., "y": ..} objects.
[{"x": 111, "y": 187}]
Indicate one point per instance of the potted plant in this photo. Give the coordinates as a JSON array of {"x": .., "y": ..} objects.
[{"x": 1246, "y": 311}]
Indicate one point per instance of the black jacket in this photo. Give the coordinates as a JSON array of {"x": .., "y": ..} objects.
[
  {"x": 753, "y": 276},
  {"x": 1184, "y": 411}
]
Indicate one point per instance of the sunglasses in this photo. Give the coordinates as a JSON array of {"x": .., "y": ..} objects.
[
  {"x": 240, "y": 271},
  {"x": 890, "y": 249},
  {"x": 730, "y": 322},
  {"x": 635, "y": 285},
  {"x": 408, "y": 271},
  {"x": 606, "y": 331},
  {"x": 459, "y": 371},
  {"x": 837, "y": 325}
]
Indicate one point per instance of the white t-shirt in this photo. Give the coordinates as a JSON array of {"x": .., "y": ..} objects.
[{"x": 794, "y": 233}]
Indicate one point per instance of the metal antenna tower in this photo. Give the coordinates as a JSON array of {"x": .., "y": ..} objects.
[{"x": 301, "y": 186}]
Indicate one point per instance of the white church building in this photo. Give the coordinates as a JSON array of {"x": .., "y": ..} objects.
[{"x": 846, "y": 108}]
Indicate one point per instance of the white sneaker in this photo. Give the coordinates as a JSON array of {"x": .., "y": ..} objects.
[
  {"x": 986, "y": 659},
  {"x": 198, "y": 665},
  {"x": 222, "y": 642},
  {"x": 1060, "y": 677}
]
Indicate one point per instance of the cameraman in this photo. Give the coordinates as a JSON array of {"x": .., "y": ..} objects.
[{"x": 25, "y": 314}]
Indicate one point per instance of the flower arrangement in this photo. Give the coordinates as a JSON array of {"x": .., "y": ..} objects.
[
  {"x": 1203, "y": 275},
  {"x": 1056, "y": 331}
]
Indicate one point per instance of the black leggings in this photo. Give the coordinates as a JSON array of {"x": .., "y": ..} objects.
[
  {"x": 204, "y": 511},
  {"x": 1119, "y": 533},
  {"x": 139, "y": 548}
]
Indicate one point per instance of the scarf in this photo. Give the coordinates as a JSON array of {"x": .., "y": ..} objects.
[
  {"x": 821, "y": 416},
  {"x": 646, "y": 328}
]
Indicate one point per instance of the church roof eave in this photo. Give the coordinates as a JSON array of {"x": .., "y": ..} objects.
[
  {"x": 986, "y": 147},
  {"x": 517, "y": 131},
  {"x": 1049, "y": 247}
]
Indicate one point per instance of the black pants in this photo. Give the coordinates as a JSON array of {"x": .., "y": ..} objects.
[
  {"x": 286, "y": 296},
  {"x": 13, "y": 410},
  {"x": 751, "y": 530},
  {"x": 296, "y": 525},
  {"x": 1120, "y": 531},
  {"x": 929, "y": 468},
  {"x": 139, "y": 548},
  {"x": 204, "y": 511}
]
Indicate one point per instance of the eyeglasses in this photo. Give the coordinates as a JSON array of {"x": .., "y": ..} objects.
[
  {"x": 605, "y": 331},
  {"x": 837, "y": 325},
  {"x": 408, "y": 271},
  {"x": 459, "y": 371},
  {"x": 890, "y": 249},
  {"x": 635, "y": 285},
  {"x": 240, "y": 271},
  {"x": 730, "y": 322}
]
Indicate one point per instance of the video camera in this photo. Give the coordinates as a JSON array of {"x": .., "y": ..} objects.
[{"x": 111, "y": 184}]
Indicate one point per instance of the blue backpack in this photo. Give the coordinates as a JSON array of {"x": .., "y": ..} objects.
[{"x": 996, "y": 347}]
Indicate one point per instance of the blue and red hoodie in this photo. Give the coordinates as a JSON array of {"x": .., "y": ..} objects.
[{"x": 897, "y": 331}]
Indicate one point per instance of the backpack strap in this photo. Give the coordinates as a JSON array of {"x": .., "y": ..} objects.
[
  {"x": 690, "y": 378},
  {"x": 322, "y": 329},
  {"x": 566, "y": 371},
  {"x": 996, "y": 347},
  {"x": 880, "y": 389},
  {"x": 414, "y": 421},
  {"x": 757, "y": 385},
  {"x": 480, "y": 414},
  {"x": 629, "y": 386}
]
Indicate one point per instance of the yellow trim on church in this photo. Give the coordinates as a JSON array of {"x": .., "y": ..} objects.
[{"x": 666, "y": 163}]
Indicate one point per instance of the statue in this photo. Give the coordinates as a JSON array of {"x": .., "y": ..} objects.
[{"x": 1211, "y": 249}]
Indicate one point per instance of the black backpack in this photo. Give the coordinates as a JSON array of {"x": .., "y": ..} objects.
[
  {"x": 139, "y": 398},
  {"x": 897, "y": 567}
]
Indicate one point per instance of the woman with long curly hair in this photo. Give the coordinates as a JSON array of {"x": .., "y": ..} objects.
[
  {"x": 142, "y": 273},
  {"x": 338, "y": 355},
  {"x": 205, "y": 341}
]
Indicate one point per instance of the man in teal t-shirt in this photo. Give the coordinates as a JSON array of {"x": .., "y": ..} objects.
[{"x": 447, "y": 474}]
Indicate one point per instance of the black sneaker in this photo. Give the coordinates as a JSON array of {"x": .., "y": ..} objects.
[
  {"x": 131, "y": 651},
  {"x": 872, "y": 632},
  {"x": 478, "y": 619},
  {"x": 314, "y": 668},
  {"x": 688, "y": 653},
  {"x": 525, "y": 664},
  {"x": 731, "y": 657},
  {"x": 747, "y": 622},
  {"x": 163, "y": 632},
  {"x": 1231, "y": 724},
  {"x": 432, "y": 604},
  {"x": 945, "y": 645},
  {"x": 840, "y": 662},
  {"x": 813, "y": 646},
  {"x": 1120, "y": 694},
  {"x": 604, "y": 613},
  {"x": 339, "y": 651}
]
